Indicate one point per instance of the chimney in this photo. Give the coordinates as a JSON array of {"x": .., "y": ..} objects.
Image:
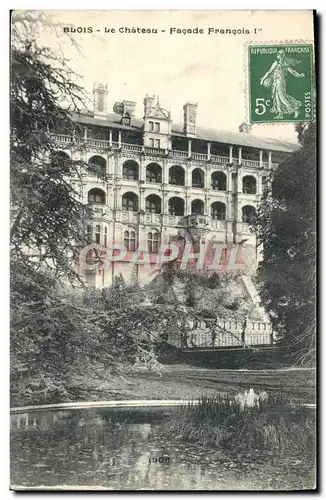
[
  {"x": 100, "y": 104},
  {"x": 189, "y": 119},
  {"x": 149, "y": 105},
  {"x": 245, "y": 127},
  {"x": 125, "y": 108}
]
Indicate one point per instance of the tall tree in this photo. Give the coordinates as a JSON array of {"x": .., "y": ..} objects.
[
  {"x": 46, "y": 215},
  {"x": 286, "y": 227}
]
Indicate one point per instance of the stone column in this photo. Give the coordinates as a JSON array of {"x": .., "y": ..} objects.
[
  {"x": 110, "y": 169},
  {"x": 229, "y": 208},
  {"x": 142, "y": 199},
  {"x": 142, "y": 170},
  {"x": 165, "y": 203},
  {"x": 208, "y": 151},
  {"x": 187, "y": 204},
  {"x": 206, "y": 205},
  {"x": 261, "y": 158},
  {"x": 229, "y": 186},
  {"x": 118, "y": 196},
  {"x": 240, "y": 156},
  {"x": 165, "y": 178},
  {"x": 119, "y": 167},
  {"x": 110, "y": 138},
  {"x": 269, "y": 159},
  {"x": 189, "y": 148},
  {"x": 188, "y": 177},
  {"x": 119, "y": 139},
  {"x": 259, "y": 185},
  {"x": 208, "y": 178},
  {"x": 230, "y": 154}
]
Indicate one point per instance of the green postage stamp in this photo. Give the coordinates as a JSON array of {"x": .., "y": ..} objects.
[{"x": 280, "y": 83}]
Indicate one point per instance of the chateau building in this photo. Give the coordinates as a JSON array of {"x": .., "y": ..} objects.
[{"x": 165, "y": 180}]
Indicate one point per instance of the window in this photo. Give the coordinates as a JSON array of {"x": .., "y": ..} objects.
[
  {"x": 176, "y": 206},
  {"x": 105, "y": 236},
  {"x": 249, "y": 184},
  {"x": 219, "y": 181},
  {"x": 98, "y": 234},
  {"x": 96, "y": 165},
  {"x": 96, "y": 196},
  {"x": 130, "y": 170},
  {"x": 126, "y": 119},
  {"x": 151, "y": 126},
  {"x": 151, "y": 142},
  {"x": 248, "y": 214},
  {"x": 130, "y": 202},
  {"x": 153, "y": 173},
  {"x": 198, "y": 178},
  {"x": 218, "y": 211},
  {"x": 89, "y": 233},
  {"x": 197, "y": 207},
  {"x": 157, "y": 143},
  {"x": 157, "y": 127},
  {"x": 153, "y": 204},
  {"x": 177, "y": 176},
  {"x": 152, "y": 242},
  {"x": 130, "y": 240}
]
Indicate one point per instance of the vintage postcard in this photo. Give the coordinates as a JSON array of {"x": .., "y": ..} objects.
[{"x": 163, "y": 242}]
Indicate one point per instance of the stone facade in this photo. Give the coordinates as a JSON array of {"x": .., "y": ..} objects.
[{"x": 162, "y": 181}]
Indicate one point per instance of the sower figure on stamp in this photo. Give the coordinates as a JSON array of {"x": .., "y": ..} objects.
[{"x": 275, "y": 78}]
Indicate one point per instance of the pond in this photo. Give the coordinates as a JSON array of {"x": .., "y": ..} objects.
[{"x": 121, "y": 450}]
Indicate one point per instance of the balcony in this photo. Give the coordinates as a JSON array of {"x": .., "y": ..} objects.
[
  {"x": 68, "y": 140},
  {"x": 218, "y": 225},
  {"x": 100, "y": 210},
  {"x": 125, "y": 216}
]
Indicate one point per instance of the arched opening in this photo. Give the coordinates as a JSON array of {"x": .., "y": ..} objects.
[
  {"x": 97, "y": 165},
  {"x": 218, "y": 181},
  {"x": 60, "y": 159},
  {"x": 129, "y": 239},
  {"x": 197, "y": 207},
  {"x": 248, "y": 213},
  {"x": 154, "y": 173},
  {"x": 153, "y": 204},
  {"x": 249, "y": 184},
  {"x": 89, "y": 233},
  {"x": 198, "y": 178},
  {"x": 130, "y": 202},
  {"x": 98, "y": 234},
  {"x": 177, "y": 176},
  {"x": 130, "y": 170},
  {"x": 218, "y": 210},
  {"x": 176, "y": 206},
  {"x": 152, "y": 241},
  {"x": 97, "y": 196}
]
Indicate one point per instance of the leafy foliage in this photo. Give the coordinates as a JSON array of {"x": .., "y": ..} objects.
[
  {"x": 47, "y": 222},
  {"x": 286, "y": 228}
]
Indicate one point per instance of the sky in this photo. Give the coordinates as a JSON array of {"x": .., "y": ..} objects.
[{"x": 207, "y": 69}]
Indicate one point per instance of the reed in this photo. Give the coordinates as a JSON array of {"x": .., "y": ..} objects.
[{"x": 273, "y": 424}]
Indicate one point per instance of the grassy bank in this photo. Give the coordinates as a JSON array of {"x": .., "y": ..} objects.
[
  {"x": 271, "y": 425},
  {"x": 178, "y": 382}
]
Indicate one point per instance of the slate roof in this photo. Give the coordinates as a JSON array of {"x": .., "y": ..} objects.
[{"x": 113, "y": 120}]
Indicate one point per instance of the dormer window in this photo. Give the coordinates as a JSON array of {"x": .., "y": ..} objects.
[{"x": 126, "y": 119}]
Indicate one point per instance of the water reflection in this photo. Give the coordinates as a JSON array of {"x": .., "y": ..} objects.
[{"x": 102, "y": 448}]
